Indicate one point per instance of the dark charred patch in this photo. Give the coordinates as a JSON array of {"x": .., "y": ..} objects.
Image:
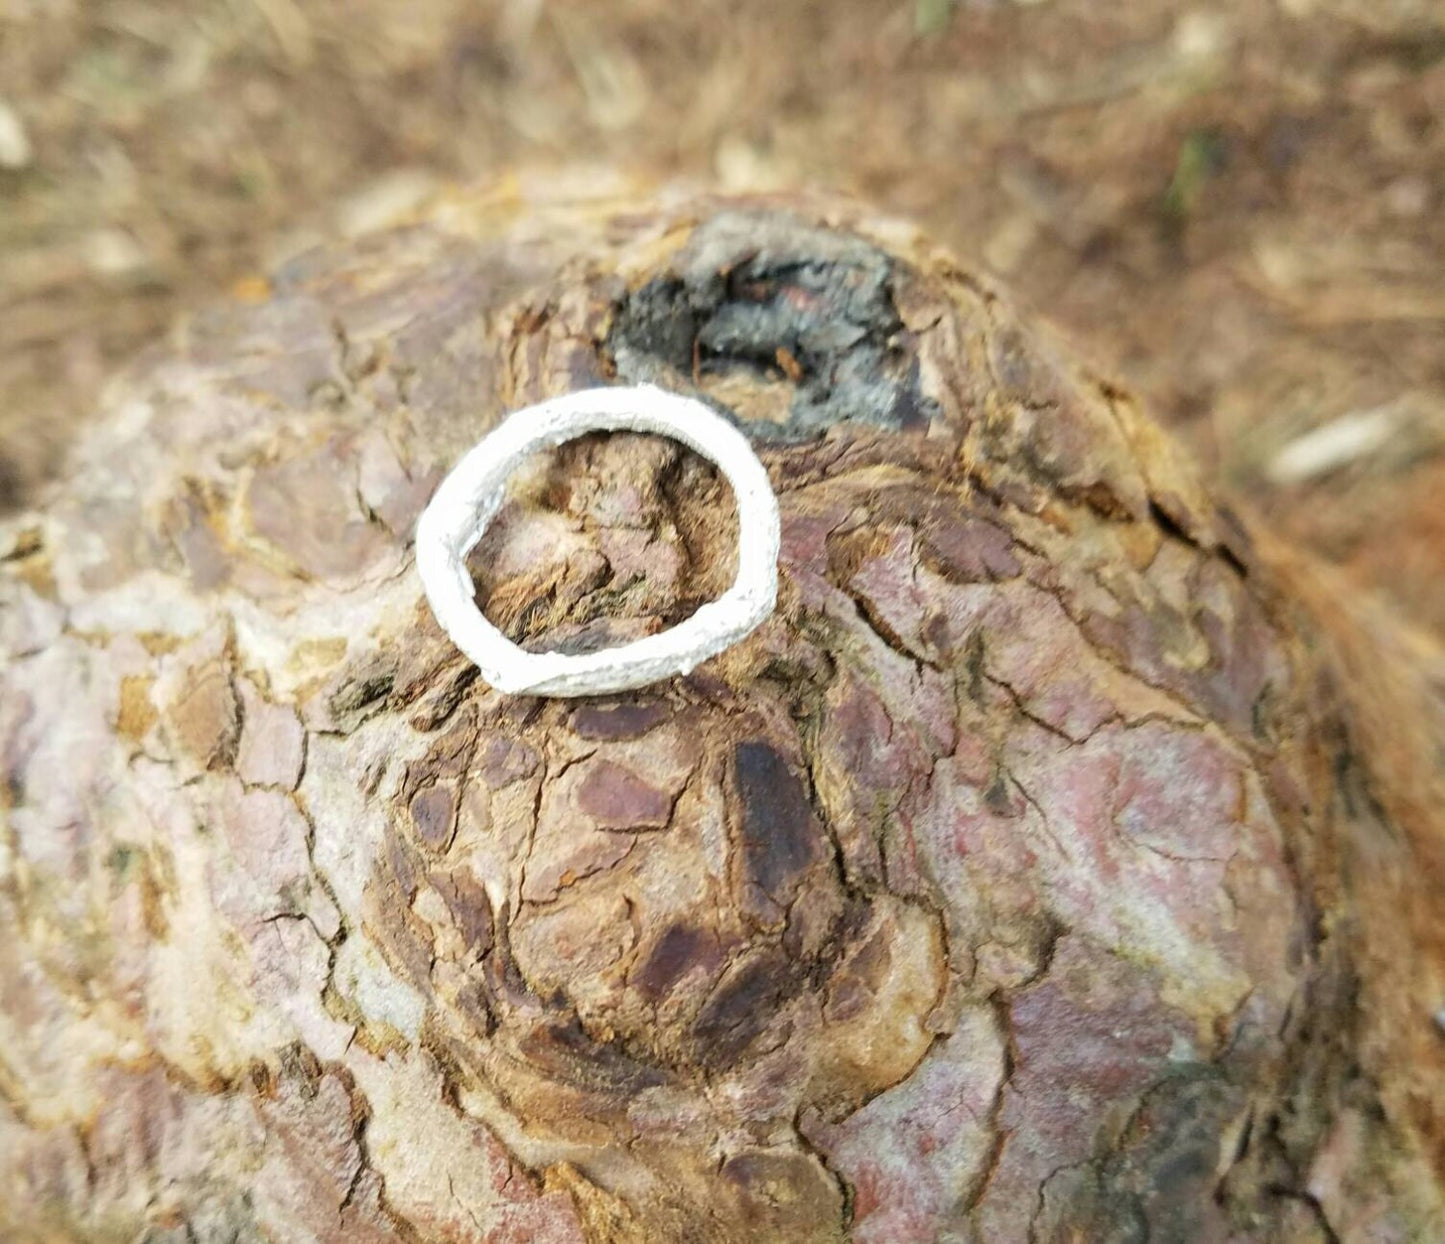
[
  {"x": 856, "y": 983},
  {"x": 1000, "y": 798},
  {"x": 299, "y": 1066},
  {"x": 814, "y": 1196},
  {"x": 681, "y": 948},
  {"x": 1232, "y": 543},
  {"x": 501, "y": 761},
  {"x": 387, "y": 906},
  {"x": 769, "y": 295},
  {"x": 434, "y": 814},
  {"x": 467, "y": 902},
  {"x": 781, "y": 838},
  {"x": 1168, "y": 1163},
  {"x": 571, "y": 1055},
  {"x": 744, "y": 1004},
  {"x": 817, "y": 931},
  {"x": 965, "y": 548},
  {"x": 432, "y": 787},
  {"x": 974, "y": 661},
  {"x": 395, "y": 872},
  {"x": 361, "y": 692},
  {"x": 442, "y": 700},
  {"x": 1236, "y": 545},
  {"x": 617, "y": 798},
  {"x": 629, "y": 720}
]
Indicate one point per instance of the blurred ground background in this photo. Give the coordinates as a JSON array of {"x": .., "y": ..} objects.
[{"x": 1238, "y": 208}]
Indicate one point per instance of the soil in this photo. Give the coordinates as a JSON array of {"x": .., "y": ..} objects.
[{"x": 1236, "y": 209}]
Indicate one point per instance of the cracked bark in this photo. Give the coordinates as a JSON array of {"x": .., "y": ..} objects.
[{"x": 1060, "y": 862}]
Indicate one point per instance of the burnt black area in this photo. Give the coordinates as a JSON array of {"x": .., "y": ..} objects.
[
  {"x": 681, "y": 948},
  {"x": 780, "y": 838},
  {"x": 467, "y": 902},
  {"x": 744, "y": 1004},
  {"x": 770, "y": 294},
  {"x": 1167, "y": 1163},
  {"x": 623, "y": 719},
  {"x": 570, "y": 1054}
]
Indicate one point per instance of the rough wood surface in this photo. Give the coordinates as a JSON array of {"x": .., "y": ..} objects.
[{"x": 1057, "y": 864}]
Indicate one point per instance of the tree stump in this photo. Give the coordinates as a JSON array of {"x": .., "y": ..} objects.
[{"x": 1059, "y": 862}]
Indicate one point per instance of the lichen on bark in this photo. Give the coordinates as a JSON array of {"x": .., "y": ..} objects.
[{"x": 1056, "y": 863}]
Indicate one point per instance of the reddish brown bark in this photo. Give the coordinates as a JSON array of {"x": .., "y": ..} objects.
[{"x": 1058, "y": 863}]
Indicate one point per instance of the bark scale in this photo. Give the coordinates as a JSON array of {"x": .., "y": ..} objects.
[{"x": 1058, "y": 863}]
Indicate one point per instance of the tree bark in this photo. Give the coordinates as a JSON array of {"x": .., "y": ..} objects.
[{"x": 1060, "y": 862}]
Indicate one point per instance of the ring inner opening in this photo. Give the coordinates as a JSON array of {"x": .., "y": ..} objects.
[{"x": 603, "y": 540}]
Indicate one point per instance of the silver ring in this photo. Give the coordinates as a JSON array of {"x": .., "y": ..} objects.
[{"x": 469, "y": 498}]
